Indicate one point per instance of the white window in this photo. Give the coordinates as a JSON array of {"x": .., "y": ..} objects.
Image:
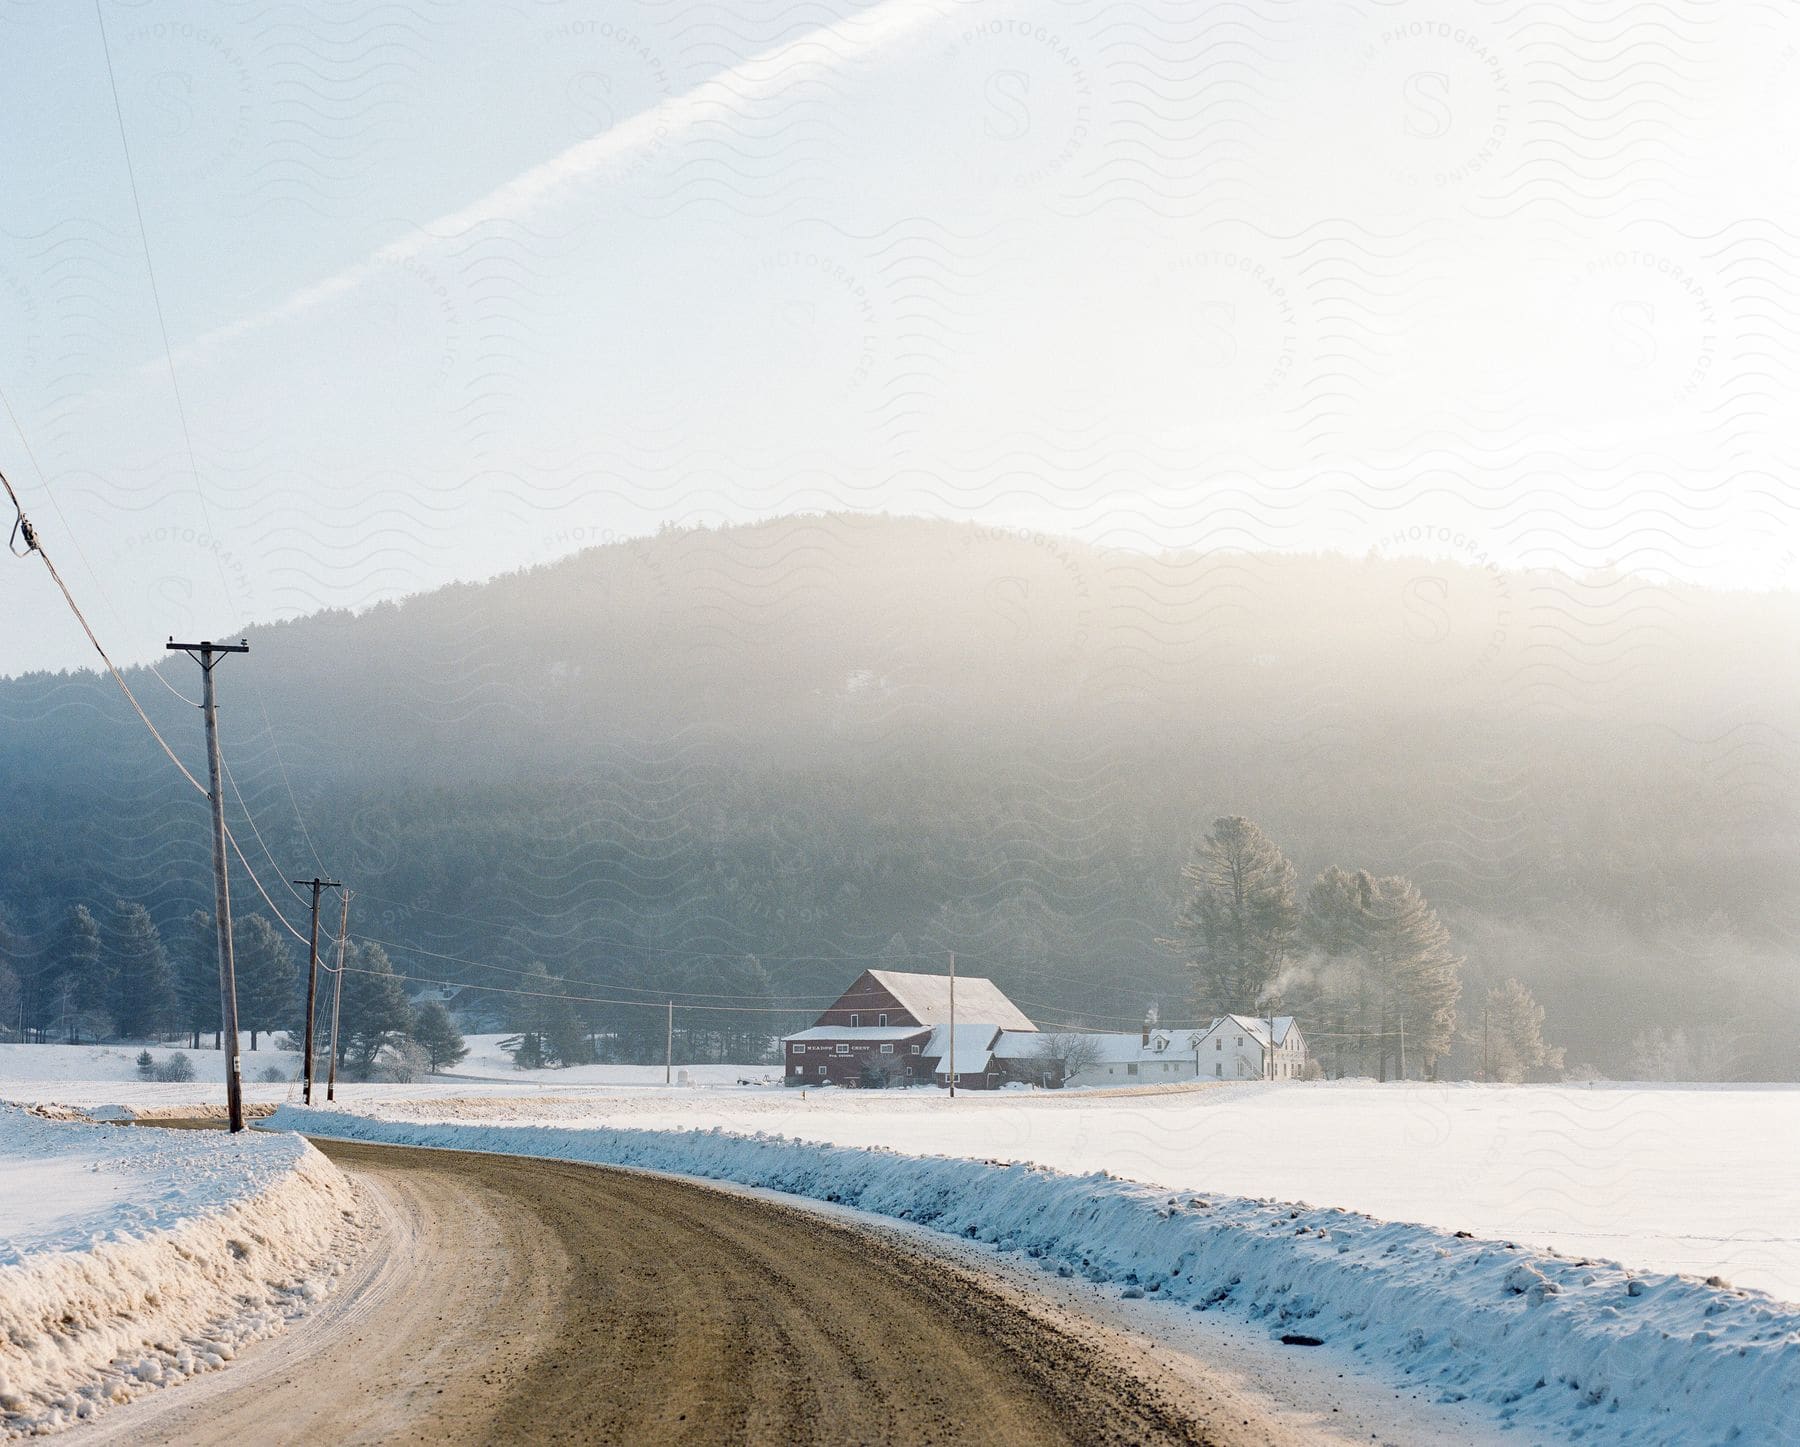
[
  {"x": 856, "y": 1020},
  {"x": 1240, "y": 1038},
  {"x": 956, "y": 1080},
  {"x": 821, "y": 1068},
  {"x": 887, "y": 1049},
  {"x": 1131, "y": 1069},
  {"x": 799, "y": 1049},
  {"x": 1218, "y": 1070},
  {"x": 1219, "y": 1044},
  {"x": 843, "y": 1050},
  {"x": 915, "y": 1050},
  {"x": 881, "y": 1019}
]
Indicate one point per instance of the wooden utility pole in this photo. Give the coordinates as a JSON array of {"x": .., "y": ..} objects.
[
  {"x": 1403, "y": 1047},
  {"x": 337, "y": 995},
  {"x": 669, "y": 1048},
  {"x": 953, "y": 1024},
  {"x": 206, "y": 655},
  {"x": 312, "y": 975}
]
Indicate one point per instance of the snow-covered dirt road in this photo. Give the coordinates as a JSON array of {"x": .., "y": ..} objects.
[{"x": 539, "y": 1300}]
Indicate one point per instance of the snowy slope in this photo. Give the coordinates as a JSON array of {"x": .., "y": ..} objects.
[
  {"x": 130, "y": 1257},
  {"x": 1562, "y": 1348}
]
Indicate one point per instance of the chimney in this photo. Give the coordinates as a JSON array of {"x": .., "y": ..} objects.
[{"x": 1146, "y": 1032}]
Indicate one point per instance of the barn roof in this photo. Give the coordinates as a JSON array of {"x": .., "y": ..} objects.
[
  {"x": 974, "y": 1044},
  {"x": 927, "y": 998}
]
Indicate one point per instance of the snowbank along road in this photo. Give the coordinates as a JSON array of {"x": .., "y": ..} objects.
[{"x": 526, "y": 1300}]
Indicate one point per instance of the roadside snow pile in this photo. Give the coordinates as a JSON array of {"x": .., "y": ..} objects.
[
  {"x": 131, "y": 1258},
  {"x": 1562, "y": 1347}
]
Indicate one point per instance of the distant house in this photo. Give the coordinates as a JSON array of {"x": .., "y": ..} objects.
[
  {"x": 893, "y": 1027},
  {"x": 1234, "y": 1047},
  {"x": 1149, "y": 1056},
  {"x": 1248, "y": 1047}
]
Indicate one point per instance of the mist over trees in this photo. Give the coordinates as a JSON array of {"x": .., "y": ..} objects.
[{"x": 824, "y": 741}]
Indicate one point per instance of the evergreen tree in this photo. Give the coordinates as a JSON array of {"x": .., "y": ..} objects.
[
  {"x": 197, "y": 978},
  {"x": 1417, "y": 975},
  {"x": 83, "y": 977},
  {"x": 1336, "y": 1011},
  {"x": 549, "y": 1026},
  {"x": 1239, "y": 920},
  {"x": 437, "y": 1034},
  {"x": 374, "y": 1011},
  {"x": 745, "y": 1037},
  {"x": 143, "y": 984},
  {"x": 1508, "y": 1040},
  {"x": 266, "y": 976}
]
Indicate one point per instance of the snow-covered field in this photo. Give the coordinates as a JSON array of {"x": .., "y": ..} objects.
[
  {"x": 130, "y": 1258},
  {"x": 1702, "y": 1180},
  {"x": 1564, "y": 1348}
]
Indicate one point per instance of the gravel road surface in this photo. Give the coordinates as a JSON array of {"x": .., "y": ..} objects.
[{"x": 514, "y": 1300}]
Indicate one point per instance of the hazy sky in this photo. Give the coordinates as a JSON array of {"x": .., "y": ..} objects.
[{"x": 453, "y": 287}]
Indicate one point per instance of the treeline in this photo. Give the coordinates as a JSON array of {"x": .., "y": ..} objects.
[
  {"x": 1363, "y": 962},
  {"x": 823, "y": 741},
  {"x": 115, "y": 978}
]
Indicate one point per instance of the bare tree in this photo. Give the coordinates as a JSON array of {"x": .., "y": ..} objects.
[{"x": 1059, "y": 1055}]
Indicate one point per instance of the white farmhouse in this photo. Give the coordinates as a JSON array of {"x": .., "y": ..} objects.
[{"x": 1246, "y": 1047}]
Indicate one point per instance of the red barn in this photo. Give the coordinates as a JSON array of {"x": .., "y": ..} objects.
[{"x": 893, "y": 1028}]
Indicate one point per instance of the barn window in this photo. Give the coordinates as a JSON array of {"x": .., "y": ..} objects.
[
  {"x": 821, "y": 1068},
  {"x": 881, "y": 1019},
  {"x": 887, "y": 1049},
  {"x": 843, "y": 1050},
  {"x": 915, "y": 1050},
  {"x": 799, "y": 1049},
  {"x": 1219, "y": 1044},
  {"x": 856, "y": 1020}
]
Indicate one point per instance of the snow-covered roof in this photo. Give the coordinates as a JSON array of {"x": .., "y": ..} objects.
[
  {"x": 1257, "y": 1027},
  {"x": 974, "y": 1043},
  {"x": 863, "y": 1032},
  {"x": 927, "y": 998},
  {"x": 1110, "y": 1047}
]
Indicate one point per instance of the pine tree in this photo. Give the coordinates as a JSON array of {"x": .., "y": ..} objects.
[
  {"x": 1335, "y": 1012},
  {"x": 436, "y": 1032},
  {"x": 83, "y": 977},
  {"x": 1239, "y": 920},
  {"x": 266, "y": 976},
  {"x": 374, "y": 1012},
  {"x": 1417, "y": 974},
  {"x": 197, "y": 978},
  {"x": 143, "y": 984}
]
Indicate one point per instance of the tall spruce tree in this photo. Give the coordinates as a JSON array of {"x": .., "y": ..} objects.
[
  {"x": 197, "y": 978},
  {"x": 437, "y": 1035},
  {"x": 1337, "y": 1008},
  {"x": 1238, "y": 922},
  {"x": 143, "y": 984},
  {"x": 82, "y": 980},
  {"x": 266, "y": 976},
  {"x": 1417, "y": 974},
  {"x": 374, "y": 1013}
]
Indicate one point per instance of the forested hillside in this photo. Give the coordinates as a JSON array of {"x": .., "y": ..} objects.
[{"x": 825, "y": 741}]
